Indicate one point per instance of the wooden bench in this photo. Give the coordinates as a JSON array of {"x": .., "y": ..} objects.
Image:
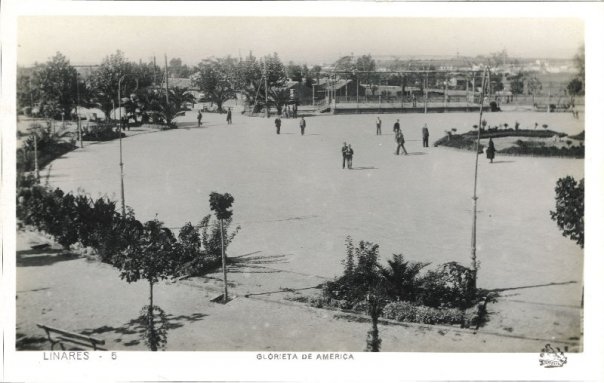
[{"x": 61, "y": 337}]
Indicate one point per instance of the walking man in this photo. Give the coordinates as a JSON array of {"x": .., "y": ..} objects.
[
  {"x": 397, "y": 127},
  {"x": 199, "y": 118},
  {"x": 400, "y": 140},
  {"x": 344, "y": 155},
  {"x": 278, "y": 124},
  {"x": 349, "y": 154},
  {"x": 378, "y": 127},
  {"x": 229, "y": 117},
  {"x": 425, "y": 135},
  {"x": 302, "y": 125}
]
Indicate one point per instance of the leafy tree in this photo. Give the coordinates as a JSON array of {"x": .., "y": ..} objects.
[
  {"x": 575, "y": 87},
  {"x": 105, "y": 80},
  {"x": 363, "y": 283},
  {"x": 177, "y": 69},
  {"x": 221, "y": 204},
  {"x": 533, "y": 85},
  {"x": 55, "y": 81},
  {"x": 152, "y": 254},
  {"x": 569, "y": 213},
  {"x": 366, "y": 63},
  {"x": 27, "y": 95},
  {"x": 579, "y": 61},
  {"x": 496, "y": 82},
  {"x": 295, "y": 72},
  {"x": 499, "y": 58},
  {"x": 217, "y": 80},
  {"x": 345, "y": 64},
  {"x": 517, "y": 83},
  {"x": 251, "y": 77}
]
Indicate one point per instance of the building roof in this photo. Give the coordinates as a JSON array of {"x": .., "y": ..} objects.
[{"x": 329, "y": 83}]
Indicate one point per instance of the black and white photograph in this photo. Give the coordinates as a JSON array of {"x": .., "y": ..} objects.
[{"x": 296, "y": 187}]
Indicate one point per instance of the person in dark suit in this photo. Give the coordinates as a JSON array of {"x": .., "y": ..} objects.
[
  {"x": 344, "y": 155},
  {"x": 378, "y": 127},
  {"x": 425, "y": 135},
  {"x": 199, "y": 116},
  {"x": 349, "y": 154},
  {"x": 400, "y": 141},
  {"x": 397, "y": 127},
  {"x": 229, "y": 117},
  {"x": 278, "y": 124},
  {"x": 302, "y": 125}
]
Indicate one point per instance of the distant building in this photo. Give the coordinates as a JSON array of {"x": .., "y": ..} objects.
[{"x": 341, "y": 88}]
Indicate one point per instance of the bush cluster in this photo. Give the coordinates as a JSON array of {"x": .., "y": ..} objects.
[
  {"x": 449, "y": 285},
  {"x": 95, "y": 223},
  {"x": 402, "y": 291},
  {"x": 101, "y": 132},
  {"x": 523, "y": 148},
  {"x": 408, "y": 312},
  {"x": 49, "y": 146},
  {"x": 467, "y": 141}
]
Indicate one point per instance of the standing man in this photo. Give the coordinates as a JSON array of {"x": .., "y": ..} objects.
[
  {"x": 414, "y": 100},
  {"x": 349, "y": 154},
  {"x": 397, "y": 127},
  {"x": 400, "y": 141},
  {"x": 344, "y": 155},
  {"x": 425, "y": 135},
  {"x": 229, "y": 117},
  {"x": 278, "y": 124},
  {"x": 199, "y": 118},
  {"x": 378, "y": 127},
  {"x": 302, "y": 125}
]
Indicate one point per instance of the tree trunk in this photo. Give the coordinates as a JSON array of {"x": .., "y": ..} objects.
[
  {"x": 225, "y": 296},
  {"x": 153, "y": 341}
]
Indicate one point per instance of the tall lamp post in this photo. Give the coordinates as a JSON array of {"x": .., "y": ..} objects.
[
  {"x": 475, "y": 198},
  {"x": 119, "y": 103}
]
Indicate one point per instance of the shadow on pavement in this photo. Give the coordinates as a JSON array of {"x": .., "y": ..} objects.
[
  {"x": 532, "y": 286},
  {"x": 255, "y": 264},
  {"x": 27, "y": 258},
  {"x": 31, "y": 343}
]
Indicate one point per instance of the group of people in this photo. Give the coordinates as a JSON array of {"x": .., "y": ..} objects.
[
  {"x": 229, "y": 117},
  {"x": 347, "y": 154},
  {"x": 278, "y": 125},
  {"x": 288, "y": 112}
]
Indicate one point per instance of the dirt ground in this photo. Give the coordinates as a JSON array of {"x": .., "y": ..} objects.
[{"x": 296, "y": 205}]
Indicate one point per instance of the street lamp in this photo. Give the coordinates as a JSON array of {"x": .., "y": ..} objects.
[
  {"x": 119, "y": 103},
  {"x": 475, "y": 198}
]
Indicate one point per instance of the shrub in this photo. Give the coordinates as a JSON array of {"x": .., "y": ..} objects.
[
  {"x": 569, "y": 213},
  {"x": 448, "y": 286},
  {"x": 545, "y": 151},
  {"x": 361, "y": 273},
  {"x": 194, "y": 260},
  {"x": 402, "y": 280},
  {"x": 102, "y": 132},
  {"x": 580, "y": 136},
  {"x": 210, "y": 234},
  {"x": 50, "y": 146},
  {"x": 407, "y": 312}
]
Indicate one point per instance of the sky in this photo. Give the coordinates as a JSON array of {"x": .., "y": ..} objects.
[{"x": 310, "y": 40}]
